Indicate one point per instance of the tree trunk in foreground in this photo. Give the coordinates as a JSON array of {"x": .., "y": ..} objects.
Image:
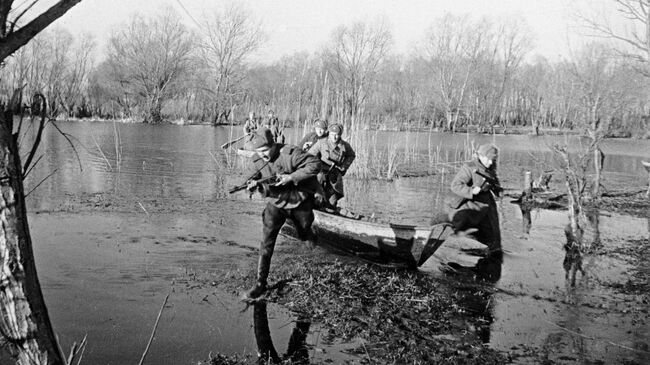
[{"x": 24, "y": 321}]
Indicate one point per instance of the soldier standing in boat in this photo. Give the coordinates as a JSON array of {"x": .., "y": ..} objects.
[
  {"x": 320, "y": 132},
  {"x": 292, "y": 196},
  {"x": 250, "y": 125},
  {"x": 273, "y": 124},
  {"x": 336, "y": 156},
  {"x": 473, "y": 205}
]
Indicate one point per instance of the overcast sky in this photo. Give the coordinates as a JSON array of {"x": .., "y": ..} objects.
[{"x": 305, "y": 25}]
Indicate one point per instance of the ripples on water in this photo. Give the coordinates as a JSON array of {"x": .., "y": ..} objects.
[{"x": 186, "y": 162}]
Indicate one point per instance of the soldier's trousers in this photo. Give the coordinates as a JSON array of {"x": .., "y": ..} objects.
[
  {"x": 273, "y": 218},
  {"x": 485, "y": 219}
]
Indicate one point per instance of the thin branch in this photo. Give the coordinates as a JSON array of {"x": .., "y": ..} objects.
[
  {"x": 76, "y": 349},
  {"x": 39, "y": 133},
  {"x": 17, "y": 18},
  {"x": 41, "y": 182},
  {"x": 153, "y": 332},
  {"x": 66, "y": 136},
  {"x": 595, "y": 339},
  {"x": 10, "y": 43},
  {"x": 32, "y": 167}
]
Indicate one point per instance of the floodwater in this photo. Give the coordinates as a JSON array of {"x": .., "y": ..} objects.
[{"x": 106, "y": 274}]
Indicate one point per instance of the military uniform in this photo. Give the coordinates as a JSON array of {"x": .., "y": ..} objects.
[
  {"x": 342, "y": 155},
  {"x": 294, "y": 200},
  {"x": 310, "y": 139},
  {"x": 250, "y": 125},
  {"x": 479, "y": 211},
  {"x": 278, "y": 136}
]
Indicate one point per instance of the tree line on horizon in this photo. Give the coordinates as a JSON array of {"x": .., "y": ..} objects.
[{"x": 466, "y": 73}]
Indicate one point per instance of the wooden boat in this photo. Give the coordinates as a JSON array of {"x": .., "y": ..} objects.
[
  {"x": 406, "y": 245},
  {"x": 245, "y": 153}
]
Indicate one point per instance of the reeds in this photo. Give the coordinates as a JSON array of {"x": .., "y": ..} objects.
[{"x": 404, "y": 154}]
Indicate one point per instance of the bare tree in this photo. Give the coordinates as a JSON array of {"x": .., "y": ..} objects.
[
  {"x": 513, "y": 42},
  {"x": 454, "y": 46},
  {"x": 24, "y": 320},
  {"x": 634, "y": 37},
  {"x": 354, "y": 55},
  {"x": 75, "y": 79},
  {"x": 147, "y": 57},
  {"x": 593, "y": 73},
  {"x": 229, "y": 38}
]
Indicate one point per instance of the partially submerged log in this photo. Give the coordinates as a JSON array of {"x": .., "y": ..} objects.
[{"x": 536, "y": 194}]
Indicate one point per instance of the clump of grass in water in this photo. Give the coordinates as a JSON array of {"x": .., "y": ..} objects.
[{"x": 398, "y": 316}]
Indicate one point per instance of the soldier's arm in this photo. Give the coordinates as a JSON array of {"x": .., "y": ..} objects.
[
  {"x": 314, "y": 150},
  {"x": 349, "y": 158},
  {"x": 305, "y": 166},
  {"x": 254, "y": 168},
  {"x": 461, "y": 185}
]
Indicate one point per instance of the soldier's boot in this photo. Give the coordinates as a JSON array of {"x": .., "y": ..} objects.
[{"x": 260, "y": 287}]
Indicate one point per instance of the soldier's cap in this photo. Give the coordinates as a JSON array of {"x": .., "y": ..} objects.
[
  {"x": 263, "y": 137},
  {"x": 336, "y": 128},
  {"x": 319, "y": 123},
  {"x": 488, "y": 150}
]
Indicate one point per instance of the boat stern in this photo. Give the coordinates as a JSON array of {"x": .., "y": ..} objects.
[{"x": 439, "y": 234}]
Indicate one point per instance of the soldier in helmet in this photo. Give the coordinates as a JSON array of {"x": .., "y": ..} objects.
[
  {"x": 473, "y": 205},
  {"x": 320, "y": 132},
  {"x": 251, "y": 123},
  {"x": 292, "y": 196},
  {"x": 273, "y": 124},
  {"x": 336, "y": 156}
]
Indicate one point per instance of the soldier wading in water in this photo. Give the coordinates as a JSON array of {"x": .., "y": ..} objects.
[
  {"x": 473, "y": 206},
  {"x": 291, "y": 195}
]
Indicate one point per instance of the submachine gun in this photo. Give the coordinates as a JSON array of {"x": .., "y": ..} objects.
[
  {"x": 263, "y": 182},
  {"x": 489, "y": 183}
]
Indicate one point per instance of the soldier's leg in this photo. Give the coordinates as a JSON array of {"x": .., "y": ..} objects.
[
  {"x": 272, "y": 218},
  {"x": 303, "y": 217},
  {"x": 489, "y": 231},
  {"x": 334, "y": 199}
]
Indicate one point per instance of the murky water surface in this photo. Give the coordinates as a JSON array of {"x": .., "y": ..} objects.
[{"x": 107, "y": 274}]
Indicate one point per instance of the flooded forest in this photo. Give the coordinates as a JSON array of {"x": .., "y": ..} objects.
[{"x": 123, "y": 241}]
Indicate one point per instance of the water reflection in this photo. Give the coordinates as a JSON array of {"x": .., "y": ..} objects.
[
  {"x": 593, "y": 217},
  {"x": 477, "y": 299},
  {"x": 526, "y": 217},
  {"x": 297, "y": 351}
]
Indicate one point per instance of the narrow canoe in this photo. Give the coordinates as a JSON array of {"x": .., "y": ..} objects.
[
  {"x": 407, "y": 244},
  {"x": 245, "y": 153},
  {"x": 646, "y": 165}
]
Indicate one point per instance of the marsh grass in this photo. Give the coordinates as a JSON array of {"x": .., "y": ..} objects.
[{"x": 403, "y": 154}]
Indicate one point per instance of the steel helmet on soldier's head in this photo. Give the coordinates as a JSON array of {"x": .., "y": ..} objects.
[
  {"x": 336, "y": 128},
  {"x": 319, "y": 123},
  {"x": 488, "y": 150}
]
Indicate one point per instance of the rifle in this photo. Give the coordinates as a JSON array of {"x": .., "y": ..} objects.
[
  {"x": 264, "y": 180},
  {"x": 230, "y": 143},
  {"x": 495, "y": 187}
]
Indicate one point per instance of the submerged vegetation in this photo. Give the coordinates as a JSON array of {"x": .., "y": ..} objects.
[{"x": 388, "y": 315}]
